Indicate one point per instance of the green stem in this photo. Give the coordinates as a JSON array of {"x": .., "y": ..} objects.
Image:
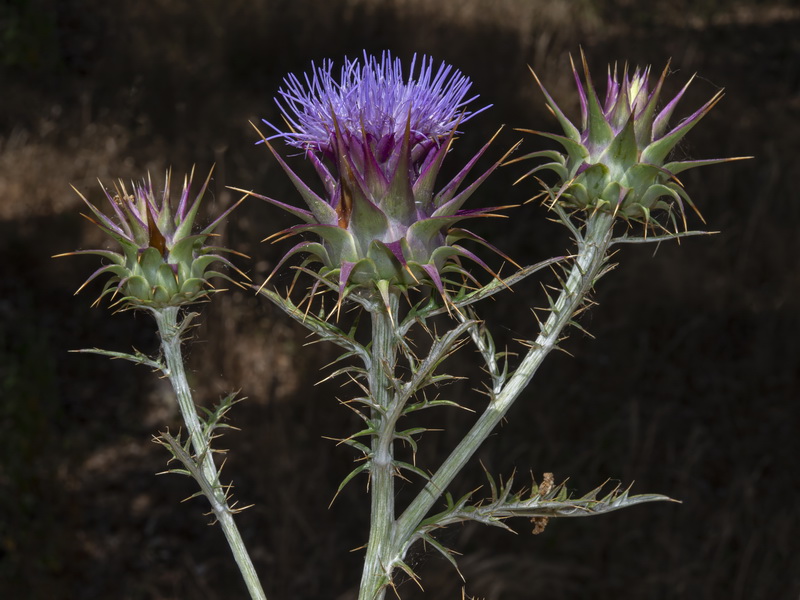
[
  {"x": 588, "y": 265},
  {"x": 170, "y": 331},
  {"x": 377, "y": 569}
]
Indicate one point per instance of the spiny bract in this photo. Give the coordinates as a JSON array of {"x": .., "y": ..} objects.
[
  {"x": 162, "y": 262},
  {"x": 377, "y": 141}
]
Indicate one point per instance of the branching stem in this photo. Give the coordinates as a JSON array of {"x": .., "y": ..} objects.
[{"x": 588, "y": 266}]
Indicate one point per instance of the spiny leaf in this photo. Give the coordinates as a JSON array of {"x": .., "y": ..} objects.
[
  {"x": 346, "y": 480},
  {"x": 324, "y": 329},
  {"x": 404, "y": 466},
  {"x": 496, "y": 285},
  {"x": 444, "y": 551},
  {"x": 137, "y": 357},
  {"x": 429, "y": 404},
  {"x": 440, "y": 349}
]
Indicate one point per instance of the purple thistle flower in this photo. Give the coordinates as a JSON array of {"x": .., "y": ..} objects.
[
  {"x": 377, "y": 139},
  {"x": 374, "y": 103}
]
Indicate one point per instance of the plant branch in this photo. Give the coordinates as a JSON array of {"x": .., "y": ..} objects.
[
  {"x": 170, "y": 331},
  {"x": 587, "y": 268}
]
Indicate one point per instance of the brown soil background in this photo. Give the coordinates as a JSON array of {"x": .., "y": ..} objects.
[{"x": 690, "y": 386}]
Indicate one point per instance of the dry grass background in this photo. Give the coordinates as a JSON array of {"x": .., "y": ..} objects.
[{"x": 690, "y": 387}]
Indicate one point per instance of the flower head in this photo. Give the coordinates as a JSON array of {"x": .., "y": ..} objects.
[
  {"x": 616, "y": 161},
  {"x": 377, "y": 139},
  {"x": 373, "y": 104},
  {"x": 162, "y": 263}
]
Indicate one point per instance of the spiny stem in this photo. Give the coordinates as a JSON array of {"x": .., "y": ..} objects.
[
  {"x": 588, "y": 265},
  {"x": 170, "y": 331},
  {"x": 377, "y": 569}
]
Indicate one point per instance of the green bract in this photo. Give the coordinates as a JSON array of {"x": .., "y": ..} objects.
[
  {"x": 616, "y": 160},
  {"x": 161, "y": 263}
]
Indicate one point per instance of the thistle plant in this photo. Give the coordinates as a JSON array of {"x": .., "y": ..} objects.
[
  {"x": 379, "y": 234},
  {"x": 163, "y": 268}
]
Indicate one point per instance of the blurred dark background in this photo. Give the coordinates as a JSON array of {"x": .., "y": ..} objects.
[{"x": 690, "y": 386}]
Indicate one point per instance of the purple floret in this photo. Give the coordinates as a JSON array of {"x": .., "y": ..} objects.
[{"x": 372, "y": 99}]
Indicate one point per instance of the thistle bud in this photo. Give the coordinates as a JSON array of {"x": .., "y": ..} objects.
[
  {"x": 616, "y": 161},
  {"x": 162, "y": 262}
]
